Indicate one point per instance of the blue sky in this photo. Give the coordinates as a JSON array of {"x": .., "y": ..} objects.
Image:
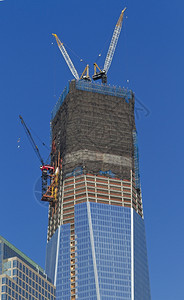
[{"x": 33, "y": 73}]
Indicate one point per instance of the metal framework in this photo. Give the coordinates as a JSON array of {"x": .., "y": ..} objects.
[
  {"x": 102, "y": 74},
  {"x": 66, "y": 57},
  {"x": 113, "y": 43}
]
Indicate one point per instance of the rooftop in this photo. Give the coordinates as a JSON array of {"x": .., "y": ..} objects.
[
  {"x": 20, "y": 254},
  {"x": 95, "y": 88}
]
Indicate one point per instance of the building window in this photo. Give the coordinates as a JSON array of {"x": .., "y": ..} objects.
[
  {"x": 8, "y": 272},
  {"x": 20, "y": 266},
  {"x": 4, "y": 280},
  {"x": 3, "y": 289},
  {"x": 14, "y": 272},
  {"x": 14, "y": 263},
  {"x": 7, "y": 265}
]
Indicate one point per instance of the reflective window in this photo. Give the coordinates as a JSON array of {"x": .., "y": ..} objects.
[
  {"x": 63, "y": 270},
  {"x": 141, "y": 274},
  {"x": 103, "y": 235},
  {"x": 14, "y": 263}
]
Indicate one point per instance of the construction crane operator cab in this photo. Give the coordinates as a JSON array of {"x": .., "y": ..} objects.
[{"x": 99, "y": 75}]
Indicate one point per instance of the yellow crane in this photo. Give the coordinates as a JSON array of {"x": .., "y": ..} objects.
[
  {"x": 100, "y": 74},
  {"x": 66, "y": 57},
  {"x": 103, "y": 73}
]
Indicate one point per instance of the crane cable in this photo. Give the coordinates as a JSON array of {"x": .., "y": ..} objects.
[{"x": 42, "y": 142}]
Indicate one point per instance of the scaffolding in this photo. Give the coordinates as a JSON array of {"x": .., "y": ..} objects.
[
  {"x": 60, "y": 101},
  {"x": 95, "y": 88},
  {"x": 104, "y": 89},
  {"x": 136, "y": 160}
]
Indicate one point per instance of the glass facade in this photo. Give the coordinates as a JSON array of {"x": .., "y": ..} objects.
[
  {"x": 20, "y": 280},
  {"x": 141, "y": 274},
  {"x": 85, "y": 276},
  {"x": 110, "y": 240},
  {"x": 51, "y": 253},
  {"x": 63, "y": 280},
  {"x": 8, "y": 251},
  {"x": 110, "y": 255}
]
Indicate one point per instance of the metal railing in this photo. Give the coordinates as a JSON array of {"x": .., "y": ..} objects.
[
  {"x": 104, "y": 89},
  {"x": 95, "y": 88}
]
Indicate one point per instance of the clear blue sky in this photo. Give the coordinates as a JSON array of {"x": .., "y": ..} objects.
[{"x": 32, "y": 76}]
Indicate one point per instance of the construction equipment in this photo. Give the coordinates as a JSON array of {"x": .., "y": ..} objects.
[
  {"x": 47, "y": 170},
  {"x": 103, "y": 73},
  {"x": 85, "y": 74},
  {"x": 66, "y": 57},
  {"x": 99, "y": 75}
]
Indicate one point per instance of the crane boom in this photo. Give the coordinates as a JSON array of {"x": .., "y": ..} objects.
[
  {"x": 35, "y": 147},
  {"x": 66, "y": 57},
  {"x": 113, "y": 43}
]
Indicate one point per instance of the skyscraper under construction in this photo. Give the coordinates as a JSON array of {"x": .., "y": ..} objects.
[{"x": 96, "y": 245}]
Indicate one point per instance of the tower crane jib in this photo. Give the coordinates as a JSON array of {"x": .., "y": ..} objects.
[
  {"x": 66, "y": 57},
  {"x": 113, "y": 43}
]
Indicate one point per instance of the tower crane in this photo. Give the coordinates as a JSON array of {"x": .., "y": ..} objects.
[
  {"x": 46, "y": 169},
  {"x": 85, "y": 74},
  {"x": 102, "y": 74}
]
